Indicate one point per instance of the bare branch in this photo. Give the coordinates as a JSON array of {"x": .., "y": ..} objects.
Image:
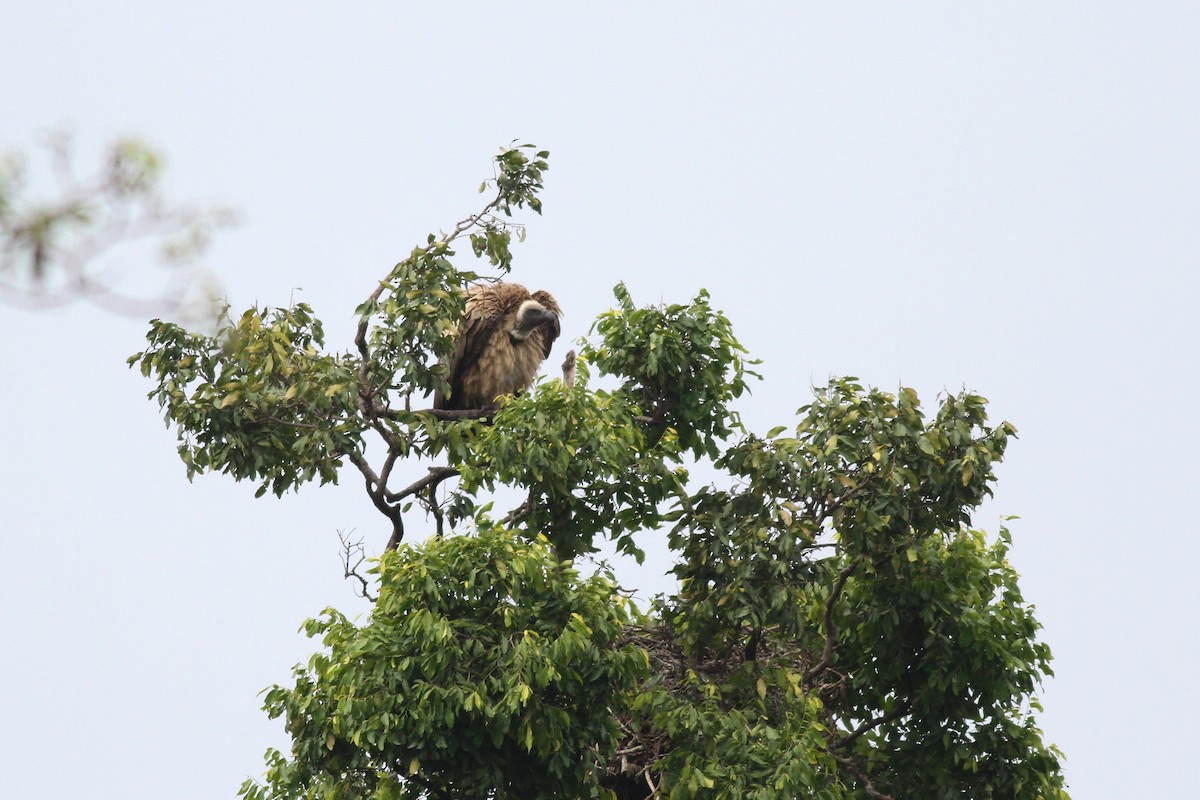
[
  {"x": 354, "y": 551},
  {"x": 397, "y": 534},
  {"x": 444, "y": 414},
  {"x": 431, "y": 503},
  {"x": 357, "y": 460},
  {"x": 386, "y": 472},
  {"x": 520, "y": 512},
  {"x": 377, "y": 491}
]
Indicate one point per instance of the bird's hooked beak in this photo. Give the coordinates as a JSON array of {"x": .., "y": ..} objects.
[{"x": 544, "y": 317}]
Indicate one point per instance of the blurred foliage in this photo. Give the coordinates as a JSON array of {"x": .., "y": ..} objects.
[
  {"x": 839, "y": 631},
  {"x": 75, "y": 245}
]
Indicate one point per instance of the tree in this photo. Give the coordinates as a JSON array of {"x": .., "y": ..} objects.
[{"x": 838, "y": 631}]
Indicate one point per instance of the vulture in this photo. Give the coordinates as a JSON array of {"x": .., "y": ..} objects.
[{"x": 506, "y": 334}]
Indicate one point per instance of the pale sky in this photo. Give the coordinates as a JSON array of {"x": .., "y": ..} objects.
[{"x": 1001, "y": 197}]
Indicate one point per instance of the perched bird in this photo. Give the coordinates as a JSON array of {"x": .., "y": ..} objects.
[{"x": 505, "y": 336}]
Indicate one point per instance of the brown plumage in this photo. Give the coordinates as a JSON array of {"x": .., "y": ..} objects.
[{"x": 506, "y": 334}]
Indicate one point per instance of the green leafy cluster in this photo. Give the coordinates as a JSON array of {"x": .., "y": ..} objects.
[
  {"x": 680, "y": 364},
  {"x": 258, "y": 400},
  {"x": 863, "y": 463},
  {"x": 414, "y": 323},
  {"x": 488, "y": 669},
  {"x": 756, "y": 736},
  {"x": 520, "y": 178},
  {"x": 944, "y": 639},
  {"x": 912, "y": 630},
  {"x": 580, "y": 455},
  {"x": 597, "y": 463}
]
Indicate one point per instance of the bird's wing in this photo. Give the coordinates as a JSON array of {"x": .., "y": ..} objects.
[{"x": 478, "y": 326}]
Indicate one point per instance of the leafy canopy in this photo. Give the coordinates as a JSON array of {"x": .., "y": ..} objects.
[{"x": 838, "y": 630}]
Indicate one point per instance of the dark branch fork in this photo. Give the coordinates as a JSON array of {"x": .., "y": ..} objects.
[{"x": 436, "y": 475}]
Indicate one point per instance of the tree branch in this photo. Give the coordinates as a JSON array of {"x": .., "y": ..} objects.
[
  {"x": 436, "y": 475},
  {"x": 862, "y": 775},
  {"x": 367, "y": 472},
  {"x": 850, "y": 738},
  {"x": 830, "y": 626},
  {"x": 59, "y": 245},
  {"x": 520, "y": 512},
  {"x": 377, "y": 491},
  {"x": 444, "y": 414}
]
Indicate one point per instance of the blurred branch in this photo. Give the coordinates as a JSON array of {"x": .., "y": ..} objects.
[{"x": 80, "y": 244}]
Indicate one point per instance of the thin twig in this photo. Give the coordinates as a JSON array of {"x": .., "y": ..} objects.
[{"x": 351, "y": 550}]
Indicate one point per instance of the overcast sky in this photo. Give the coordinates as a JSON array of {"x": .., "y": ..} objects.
[{"x": 1001, "y": 197}]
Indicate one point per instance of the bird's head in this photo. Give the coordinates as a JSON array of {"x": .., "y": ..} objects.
[{"x": 531, "y": 316}]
